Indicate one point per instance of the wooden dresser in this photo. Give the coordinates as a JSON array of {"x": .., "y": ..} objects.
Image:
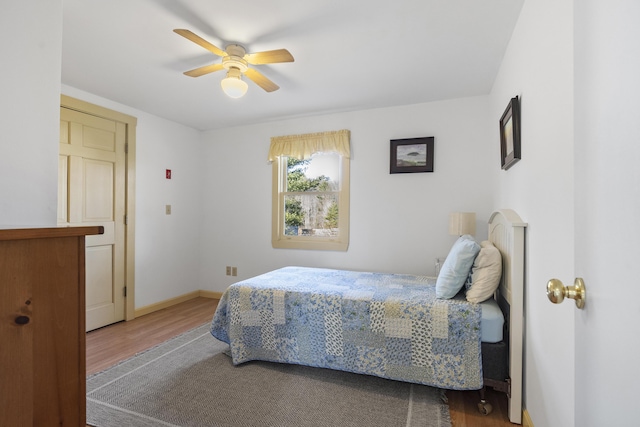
[{"x": 42, "y": 326}]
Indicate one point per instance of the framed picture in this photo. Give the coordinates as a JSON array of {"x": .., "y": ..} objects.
[
  {"x": 510, "y": 134},
  {"x": 411, "y": 155}
]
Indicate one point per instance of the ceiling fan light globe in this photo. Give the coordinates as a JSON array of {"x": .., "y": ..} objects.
[{"x": 234, "y": 87}]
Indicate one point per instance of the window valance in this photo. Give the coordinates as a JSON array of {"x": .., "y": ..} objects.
[{"x": 304, "y": 146}]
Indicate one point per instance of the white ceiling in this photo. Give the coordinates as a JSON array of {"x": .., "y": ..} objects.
[{"x": 349, "y": 54}]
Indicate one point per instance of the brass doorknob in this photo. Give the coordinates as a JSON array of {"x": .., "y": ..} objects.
[{"x": 557, "y": 292}]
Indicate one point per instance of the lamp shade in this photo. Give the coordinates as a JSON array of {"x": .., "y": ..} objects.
[
  {"x": 462, "y": 223},
  {"x": 233, "y": 85}
]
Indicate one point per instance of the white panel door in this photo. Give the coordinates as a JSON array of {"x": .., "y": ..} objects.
[
  {"x": 607, "y": 176},
  {"x": 91, "y": 191}
]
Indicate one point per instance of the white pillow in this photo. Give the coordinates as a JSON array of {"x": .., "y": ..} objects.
[
  {"x": 485, "y": 273},
  {"x": 456, "y": 267}
]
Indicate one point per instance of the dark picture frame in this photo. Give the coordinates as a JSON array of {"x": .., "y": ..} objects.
[
  {"x": 510, "y": 134},
  {"x": 411, "y": 155}
]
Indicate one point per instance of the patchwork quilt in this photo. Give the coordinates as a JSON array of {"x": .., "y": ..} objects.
[{"x": 387, "y": 325}]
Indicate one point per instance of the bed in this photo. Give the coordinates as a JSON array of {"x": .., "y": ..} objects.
[{"x": 394, "y": 326}]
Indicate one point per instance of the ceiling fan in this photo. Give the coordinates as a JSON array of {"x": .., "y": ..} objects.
[{"x": 236, "y": 61}]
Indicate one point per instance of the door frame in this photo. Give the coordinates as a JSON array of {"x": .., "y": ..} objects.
[{"x": 130, "y": 123}]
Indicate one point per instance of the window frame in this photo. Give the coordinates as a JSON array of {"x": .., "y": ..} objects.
[{"x": 280, "y": 240}]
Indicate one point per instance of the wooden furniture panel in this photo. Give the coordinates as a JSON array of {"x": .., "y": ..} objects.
[{"x": 42, "y": 326}]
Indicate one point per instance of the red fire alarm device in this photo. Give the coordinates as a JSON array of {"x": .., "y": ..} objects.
[{"x": 168, "y": 173}]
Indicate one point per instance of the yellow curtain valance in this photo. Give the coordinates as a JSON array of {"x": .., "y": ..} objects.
[{"x": 304, "y": 146}]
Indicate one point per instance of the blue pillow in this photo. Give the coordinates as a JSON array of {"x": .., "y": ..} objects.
[{"x": 456, "y": 267}]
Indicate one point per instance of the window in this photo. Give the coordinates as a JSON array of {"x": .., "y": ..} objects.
[{"x": 311, "y": 191}]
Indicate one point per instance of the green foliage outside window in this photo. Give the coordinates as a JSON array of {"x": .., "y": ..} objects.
[
  {"x": 297, "y": 181},
  {"x": 331, "y": 220}
]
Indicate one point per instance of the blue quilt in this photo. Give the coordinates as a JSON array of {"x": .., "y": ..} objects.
[{"x": 387, "y": 325}]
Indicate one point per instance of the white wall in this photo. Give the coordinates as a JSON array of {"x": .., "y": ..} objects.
[
  {"x": 167, "y": 246},
  {"x": 221, "y": 194},
  {"x": 538, "y": 67},
  {"x": 399, "y": 222},
  {"x": 30, "y": 45}
]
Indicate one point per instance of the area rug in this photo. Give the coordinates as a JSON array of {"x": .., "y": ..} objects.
[{"x": 189, "y": 381}]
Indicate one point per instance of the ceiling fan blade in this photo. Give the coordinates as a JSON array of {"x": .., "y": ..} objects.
[
  {"x": 201, "y": 71},
  {"x": 200, "y": 41},
  {"x": 261, "y": 80},
  {"x": 269, "y": 57}
]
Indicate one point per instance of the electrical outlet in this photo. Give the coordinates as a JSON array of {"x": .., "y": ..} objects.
[
  {"x": 228, "y": 270},
  {"x": 234, "y": 271},
  {"x": 167, "y": 209}
]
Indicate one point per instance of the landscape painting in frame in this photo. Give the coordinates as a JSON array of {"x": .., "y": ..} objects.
[
  {"x": 510, "y": 134},
  {"x": 411, "y": 155}
]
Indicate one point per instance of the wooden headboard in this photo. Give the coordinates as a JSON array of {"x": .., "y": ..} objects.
[{"x": 506, "y": 232}]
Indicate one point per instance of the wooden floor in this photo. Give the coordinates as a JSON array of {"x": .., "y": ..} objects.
[{"x": 112, "y": 344}]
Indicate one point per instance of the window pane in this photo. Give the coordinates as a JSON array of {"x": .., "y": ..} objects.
[
  {"x": 311, "y": 203},
  {"x": 319, "y": 173},
  {"x": 311, "y": 215}
]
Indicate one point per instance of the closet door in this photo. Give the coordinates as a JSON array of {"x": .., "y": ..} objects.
[{"x": 92, "y": 192}]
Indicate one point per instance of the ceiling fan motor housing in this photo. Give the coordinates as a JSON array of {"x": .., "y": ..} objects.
[{"x": 235, "y": 58}]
